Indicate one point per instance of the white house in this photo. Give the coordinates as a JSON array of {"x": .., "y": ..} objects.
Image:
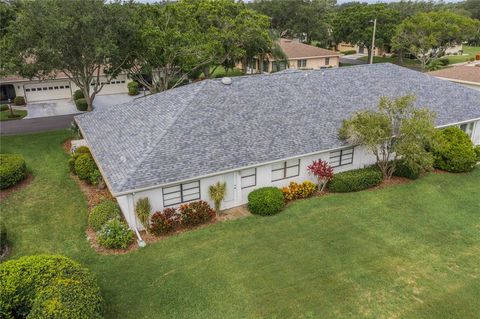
[
  {"x": 252, "y": 131},
  {"x": 60, "y": 87}
]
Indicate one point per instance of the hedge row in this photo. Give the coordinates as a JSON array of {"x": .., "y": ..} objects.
[
  {"x": 355, "y": 180},
  {"x": 82, "y": 164},
  {"x": 266, "y": 201},
  {"x": 12, "y": 170}
]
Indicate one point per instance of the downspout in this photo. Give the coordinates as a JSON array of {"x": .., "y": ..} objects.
[{"x": 140, "y": 241}]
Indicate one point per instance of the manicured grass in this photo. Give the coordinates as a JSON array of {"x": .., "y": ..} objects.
[
  {"x": 4, "y": 115},
  {"x": 407, "y": 251},
  {"x": 411, "y": 63},
  {"x": 470, "y": 52}
]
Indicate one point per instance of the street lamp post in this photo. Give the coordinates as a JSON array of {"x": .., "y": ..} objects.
[{"x": 372, "y": 51}]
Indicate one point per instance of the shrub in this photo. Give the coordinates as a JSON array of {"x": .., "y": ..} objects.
[
  {"x": 322, "y": 171},
  {"x": 3, "y": 237},
  {"x": 85, "y": 166},
  {"x": 477, "y": 151},
  {"x": 402, "y": 169},
  {"x": 115, "y": 234},
  {"x": 296, "y": 191},
  {"x": 38, "y": 286},
  {"x": 444, "y": 61},
  {"x": 355, "y": 180},
  {"x": 165, "y": 222},
  {"x": 454, "y": 153},
  {"x": 4, "y": 107},
  {"x": 196, "y": 213},
  {"x": 133, "y": 88},
  {"x": 19, "y": 100},
  {"x": 143, "y": 209},
  {"x": 347, "y": 52},
  {"x": 81, "y": 150},
  {"x": 12, "y": 170},
  {"x": 71, "y": 165},
  {"x": 217, "y": 193},
  {"x": 81, "y": 104},
  {"x": 102, "y": 213},
  {"x": 78, "y": 94},
  {"x": 95, "y": 177},
  {"x": 266, "y": 201}
]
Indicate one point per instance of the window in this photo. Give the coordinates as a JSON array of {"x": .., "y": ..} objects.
[
  {"x": 279, "y": 66},
  {"x": 327, "y": 61},
  {"x": 67, "y": 86},
  {"x": 50, "y": 87},
  {"x": 285, "y": 170},
  {"x": 55, "y": 87},
  {"x": 249, "y": 177},
  {"x": 301, "y": 63},
  {"x": 45, "y": 88},
  {"x": 467, "y": 128},
  {"x": 28, "y": 90},
  {"x": 61, "y": 86},
  {"x": 341, "y": 157},
  {"x": 181, "y": 193}
]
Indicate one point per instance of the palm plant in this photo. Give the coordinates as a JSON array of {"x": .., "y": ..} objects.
[
  {"x": 143, "y": 209},
  {"x": 217, "y": 194}
]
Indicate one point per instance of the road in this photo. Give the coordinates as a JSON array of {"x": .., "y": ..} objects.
[{"x": 40, "y": 124}]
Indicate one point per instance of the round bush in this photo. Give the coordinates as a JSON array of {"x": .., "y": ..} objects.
[
  {"x": 19, "y": 100},
  {"x": 85, "y": 166},
  {"x": 4, "y": 107},
  {"x": 78, "y": 94},
  {"x": 102, "y": 213},
  {"x": 115, "y": 234},
  {"x": 12, "y": 170},
  {"x": 355, "y": 180},
  {"x": 133, "y": 88},
  {"x": 266, "y": 201},
  {"x": 46, "y": 286},
  {"x": 402, "y": 169},
  {"x": 81, "y": 104},
  {"x": 165, "y": 222},
  {"x": 455, "y": 152}
]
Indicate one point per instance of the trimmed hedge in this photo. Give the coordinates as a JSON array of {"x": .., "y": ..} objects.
[
  {"x": 47, "y": 286},
  {"x": 81, "y": 104},
  {"x": 355, "y": 180},
  {"x": 402, "y": 169},
  {"x": 266, "y": 201},
  {"x": 102, "y": 213},
  {"x": 78, "y": 94},
  {"x": 115, "y": 234},
  {"x": 85, "y": 168},
  {"x": 12, "y": 170},
  {"x": 455, "y": 152},
  {"x": 133, "y": 88},
  {"x": 19, "y": 100}
]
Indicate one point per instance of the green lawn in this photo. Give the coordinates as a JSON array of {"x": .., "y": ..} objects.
[
  {"x": 409, "y": 63},
  {"x": 4, "y": 115},
  {"x": 407, "y": 251},
  {"x": 469, "y": 50}
]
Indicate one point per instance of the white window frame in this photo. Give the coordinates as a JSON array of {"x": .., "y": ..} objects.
[
  {"x": 285, "y": 166},
  {"x": 468, "y": 128},
  {"x": 244, "y": 174},
  {"x": 341, "y": 157},
  {"x": 180, "y": 199}
]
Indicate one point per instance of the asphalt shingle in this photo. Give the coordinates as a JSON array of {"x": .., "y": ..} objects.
[{"x": 209, "y": 127}]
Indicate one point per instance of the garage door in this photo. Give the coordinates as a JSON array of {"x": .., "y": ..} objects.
[
  {"x": 47, "y": 91},
  {"x": 115, "y": 86}
]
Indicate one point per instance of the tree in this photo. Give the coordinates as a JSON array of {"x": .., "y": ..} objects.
[
  {"x": 396, "y": 130},
  {"x": 428, "y": 35},
  {"x": 78, "y": 37},
  {"x": 471, "y": 6},
  {"x": 217, "y": 194},
  {"x": 322, "y": 171},
  {"x": 353, "y": 23}
]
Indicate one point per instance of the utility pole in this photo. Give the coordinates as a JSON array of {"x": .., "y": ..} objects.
[{"x": 372, "y": 51}]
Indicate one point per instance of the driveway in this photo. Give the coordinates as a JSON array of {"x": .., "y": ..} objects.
[
  {"x": 50, "y": 108},
  {"x": 352, "y": 58},
  {"x": 39, "y": 124}
]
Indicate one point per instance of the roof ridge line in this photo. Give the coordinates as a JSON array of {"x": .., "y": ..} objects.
[{"x": 154, "y": 144}]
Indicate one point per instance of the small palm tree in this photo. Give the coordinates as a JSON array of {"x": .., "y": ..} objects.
[
  {"x": 143, "y": 210},
  {"x": 217, "y": 193}
]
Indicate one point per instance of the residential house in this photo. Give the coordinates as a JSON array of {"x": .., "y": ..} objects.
[
  {"x": 251, "y": 131},
  {"x": 60, "y": 87},
  {"x": 385, "y": 51},
  {"x": 467, "y": 75},
  {"x": 298, "y": 56}
]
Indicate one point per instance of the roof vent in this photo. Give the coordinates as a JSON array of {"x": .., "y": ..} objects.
[{"x": 227, "y": 80}]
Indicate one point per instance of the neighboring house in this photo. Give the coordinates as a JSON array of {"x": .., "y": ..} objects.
[
  {"x": 35, "y": 90},
  {"x": 467, "y": 75},
  {"x": 343, "y": 47},
  {"x": 251, "y": 131},
  {"x": 299, "y": 56}
]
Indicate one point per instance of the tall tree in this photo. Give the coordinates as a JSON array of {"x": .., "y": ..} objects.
[
  {"x": 77, "y": 37},
  {"x": 397, "y": 129},
  {"x": 428, "y": 35},
  {"x": 353, "y": 23}
]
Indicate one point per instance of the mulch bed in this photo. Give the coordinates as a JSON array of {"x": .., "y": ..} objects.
[
  {"x": 67, "y": 146},
  {"x": 92, "y": 238},
  {"x": 5, "y": 192}
]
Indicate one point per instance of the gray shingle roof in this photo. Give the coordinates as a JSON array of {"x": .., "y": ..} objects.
[{"x": 208, "y": 127}]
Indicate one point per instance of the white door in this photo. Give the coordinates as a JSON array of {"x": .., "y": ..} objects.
[
  {"x": 115, "y": 86},
  {"x": 44, "y": 91}
]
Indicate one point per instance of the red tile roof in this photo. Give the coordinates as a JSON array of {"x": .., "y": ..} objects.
[{"x": 461, "y": 73}]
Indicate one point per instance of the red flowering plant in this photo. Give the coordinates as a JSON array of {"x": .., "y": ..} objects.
[
  {"x": 165, "y": 222},
  {"x": 322, "y": 171}
]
